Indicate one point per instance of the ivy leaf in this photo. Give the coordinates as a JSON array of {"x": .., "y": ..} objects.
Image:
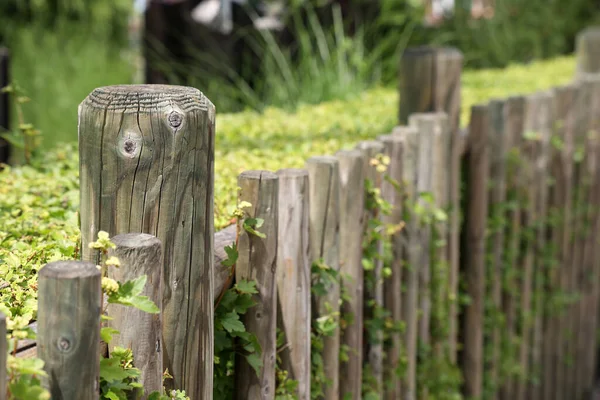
[
  {"x": 106, "y": 333},
  {"x": 246, "y": 287},
  {"x": 111, "y": 395},
  {"x": 129, "y": 295},
  {"x": 251, "y": 224},
  {"x": 231, "y": 322},
  {"x": 111, "y": 370},
  {"x": 232, "y": 255},
  {"x": 254, "y": 361}
]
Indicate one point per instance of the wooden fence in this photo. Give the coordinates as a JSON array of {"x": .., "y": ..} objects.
[{"x": 491, "y": 261}]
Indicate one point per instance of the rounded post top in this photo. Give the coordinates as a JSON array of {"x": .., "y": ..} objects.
[
  {"x": 349, "y": 154},
  {"x": 145, "y": 98},
  {"x": 69, "y": 270},
  {"x": 135, "y": 240},
  {"x": 370, "y": 145},
  {"x": 292, "y": 173},
  {"x": 258, "y": 175},
  {"x": 329, "y": 160}
]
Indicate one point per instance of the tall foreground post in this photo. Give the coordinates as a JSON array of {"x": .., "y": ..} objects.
[
  {"x": 430, "y": 81},
  {"x": 68, "y": 337},
  {"x": 257, "y": 261},
  {"x": 146, "y": 165}
]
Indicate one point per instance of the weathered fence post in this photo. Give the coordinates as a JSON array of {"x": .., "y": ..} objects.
[
  {"x": 476, "y": 222},
  {"x": 514, "y": 114},
  {"x": 324, "y": 190},
  {"x": 351, "y": 229},
  {"x": 3, "y": 351},
  {"x": 68, "y": 336},
  {"x": 430, "y": 81},
  {"x": 497, "y": 196},
  {"x": 4, "y": 102},
  {"x": 392, "y": 286},
  {"x": 293, "y": 275},
  {"x": 410, "y": 256},
  {"x": 257, "y": 261},
  {"x": 146, "y": 165},
  {"x": 373, "y": 282},
  {"x": 588, "y": 51},
  {"x": 139, "y": 254},
  {"x": 538, "y": 124}
]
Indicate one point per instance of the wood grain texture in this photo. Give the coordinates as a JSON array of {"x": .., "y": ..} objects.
[
  {"x": 373, "y": 294},
  {"x": 392, "y": 289},
  {"x": 497, "y": 197},
  {"x": 476, "y": 220},
  {"x": 411, "y": 252},
  {"x": 542, "y": 118},
  {"x": 430, "y": 81},
  {"x": 563, "y": 198},
  {"x": 587, "y": 51},
  {"x": 351, "y": 166},
  {"x": 147, "y": 166},
  {"x": 139, "y": 254},
  {"x": 293, "y": 276},
  {"x": 440, "y": 189},
  {"x": 583, "y": 343},
  {"x": 324, "y": 179},
  {"x": 258, "y": 261},
  {"x": 592, "y": 255},
  {"x": 578, "y": 222},
  {"x": 3, "y": 351},
  {"x": 69, "y": 328},
  {"x": 427, "y": 126},
  {"x": 515, "y": 112}
]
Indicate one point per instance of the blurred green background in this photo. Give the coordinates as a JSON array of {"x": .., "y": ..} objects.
[{"x": 63, "y": 49}]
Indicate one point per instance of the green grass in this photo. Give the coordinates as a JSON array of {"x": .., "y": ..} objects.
[{"x": 57, "y": 70}]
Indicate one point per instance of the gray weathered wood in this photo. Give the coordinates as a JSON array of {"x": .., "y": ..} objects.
[
  {"x": 146, "y": 156},
  {"x": 351, "y": 235},
  {"x": 476, "y": 221},
  {"x": 430, "y": 81},
  {"x": 411, "y": 252},
  {"x": 592, "y": 254},
  {"x": 3, "y": 351},
  {"x": 293, "y": 275},
  {"x": 324, "y": 179},
  {"x": 515, "y": 111},
  {"x": 258, "y": 261},
  {"x": 588, "y": 51},
  {"x": 541, "y": 110},
  {"x": 69, "y": 328},
  {"x": 374, "y": 286},
  {"x": 440, "y": 189},
  {"x": 427, "y": 126},
  {"x": 497, "y": 197},
  {"x": 139, "y": 254},
  {"x": 393, "y": 146}
]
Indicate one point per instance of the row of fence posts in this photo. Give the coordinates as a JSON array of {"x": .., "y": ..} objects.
[{"x": 147, "y": 165}]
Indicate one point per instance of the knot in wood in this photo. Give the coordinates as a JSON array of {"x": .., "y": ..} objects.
[
  {"x": 129, "y": 146},
  {"x": 64, "y": 345},
  {"x": 175, "y": 119}
]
